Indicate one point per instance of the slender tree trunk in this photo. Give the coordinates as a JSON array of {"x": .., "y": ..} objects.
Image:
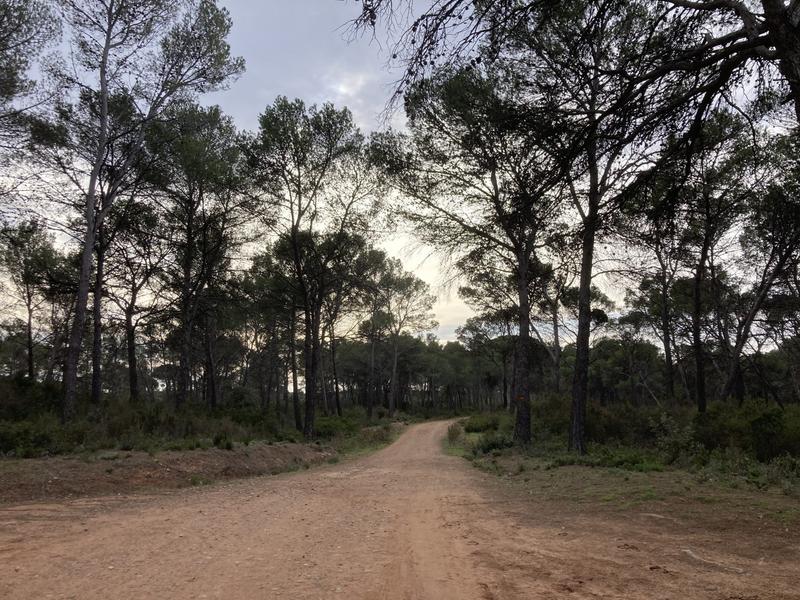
[
  {"x": 285, "y": 380},
  {"x": 334, "y": 373},
  {"x": 666, "y": 335},
  {"x": 78, "y": 323},
  {"x": 211, "y": 364},
  {"x": 505, "y": 380},
  {"x": 697, "y": 339},
  {"x": 323, "y": 378},
  {"x": 133, "y": 369},
  {"x": 265, "y": 380},
  {"x": 185, "y": 363},
  {"x": 298, "y": 419},
  {"x": 312, "y": 346},
  {"x": 371, "y": 386},
  {"x": 29, "y": 336},
  {"x": 97, "y": 321},
  {"x": 580, "y": 382},
  {"x": 556, "y": 350},
  {"x": 522, "y": 381},
  {"x": 393, "y": 390},
  {"x": 744, "y": 331},
  {"x": 90, "y": 213}
]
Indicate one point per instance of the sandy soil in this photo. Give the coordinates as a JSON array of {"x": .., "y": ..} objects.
[
  {"x": 118, "y": 472},
  {"x": 407, "y": 522}
]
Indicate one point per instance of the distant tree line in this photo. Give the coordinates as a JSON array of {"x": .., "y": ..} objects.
[{"x": 614, "y": 182}]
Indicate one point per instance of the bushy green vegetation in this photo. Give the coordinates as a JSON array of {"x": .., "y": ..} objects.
[
  {"x": 483, "y": 422},
  {"x": 35, "y": 429},
  {"x": 755, "y": 443}
]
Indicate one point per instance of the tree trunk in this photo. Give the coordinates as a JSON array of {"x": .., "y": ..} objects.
[
  {"x": 666, "y": 334},
  {"x": 285, "y": 383},
  {"x": 522, "y": 381},
  {"x": 312, "y": 350},
  {"x": 90, "y": 213},
  {"x": 697, "y": 339},
  {"x": 185, "y": 364},
  {"x": 298, "y": 419},
  {"x": 211, "y": 364},
  {"x": 97, "y": 321},
  {"x": 133, "y": 369},
  {"x": 556, "y": 350},
  {"x": 79, "y": 319},
  {"x": 371, "y": 385},
  {"x": 744, "y": 330},
  {"x": 580, "y": 382},
  {"x": 323, "y": 379},
  {"x": 335, "y": 374},
  {"x": 29, "y": 336},
  {"x": 394, "y": 386},
  {"x": 505, "y": 380}
]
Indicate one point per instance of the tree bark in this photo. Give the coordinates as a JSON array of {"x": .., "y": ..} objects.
[
  {"x": 29, "y": 335},
  {"x": 371, "y": 385},
  {"x": 556, "y": 350},
  {"x": 312, "y": 351},
  {"x": 133, "y": 369},
  {"x": 394, "y": 386},
  {"x": 697, "y": 339},
  {"x": 335, "y": 373},
  {"x": 666, "y": 334},
  {"x": 185, "y": 363},
  {"x": 580, "y": 382},
  {"x": 298, "y": 419},
  {"x": 97, "y": 321},
  {"x": 90, "y": 213},
  {"x": 211, "y": 364},
  {"x": 185, "y": 360},
  {"x": 522, "y": 380}
]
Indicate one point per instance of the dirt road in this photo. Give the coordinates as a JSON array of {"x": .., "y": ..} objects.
[{"x": 405, "y": 523}]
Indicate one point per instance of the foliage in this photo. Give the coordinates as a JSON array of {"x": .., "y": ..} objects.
[
  {"x": 454, "y": 433},
  {"x": 482, "y": 422}
]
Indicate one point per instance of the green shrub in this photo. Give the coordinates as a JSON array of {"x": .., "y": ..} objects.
[
  {"x": 328, "y": 427},
  {"x": 675, "y": 442},
  {"x": 454, "y": 433},
  {"x": 551, "y": 414},
  {"x": 491, "y": 441},
  {"x": 222, "y": 441},
  {"x": 629, "y": 459},
  {"x": 756, "y": 427},
  {"x": 481, "y": 423},
  {"x": 620, "y": 423},
  {"x": 377, "y": 435}
]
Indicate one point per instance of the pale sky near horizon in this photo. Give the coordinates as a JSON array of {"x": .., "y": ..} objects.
[{"x": 299, "y": 49}]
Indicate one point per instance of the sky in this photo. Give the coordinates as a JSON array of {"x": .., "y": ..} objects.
[{"x": 303, "y": 49}]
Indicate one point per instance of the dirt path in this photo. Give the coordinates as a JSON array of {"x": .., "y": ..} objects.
[{"x": 405, "y": 523}]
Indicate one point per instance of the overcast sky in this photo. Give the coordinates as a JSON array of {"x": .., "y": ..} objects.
[{"x": 299, "y": 48}]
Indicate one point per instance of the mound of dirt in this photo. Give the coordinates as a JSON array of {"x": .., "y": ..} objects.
[{"x": 111, "y": 472}]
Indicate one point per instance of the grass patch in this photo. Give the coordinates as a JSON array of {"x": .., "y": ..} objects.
[
  {"x": 198, "y": 480},
  {"x": 365, "y": 440}
]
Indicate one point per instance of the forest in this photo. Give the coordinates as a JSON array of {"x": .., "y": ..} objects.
[{"x": 613, "y": 187}]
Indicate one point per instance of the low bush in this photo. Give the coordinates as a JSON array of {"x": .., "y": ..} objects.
[
  {"x": 620, "y": 457},
  {"x": 482, "y": 422},
  {"x": 327, "y": 427},
  {"x": 222, "y": 441},
  {"x": 491, "y": 441},
  {"x": 454, "y": 433},
  {"x": 764, "y": 430}
]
